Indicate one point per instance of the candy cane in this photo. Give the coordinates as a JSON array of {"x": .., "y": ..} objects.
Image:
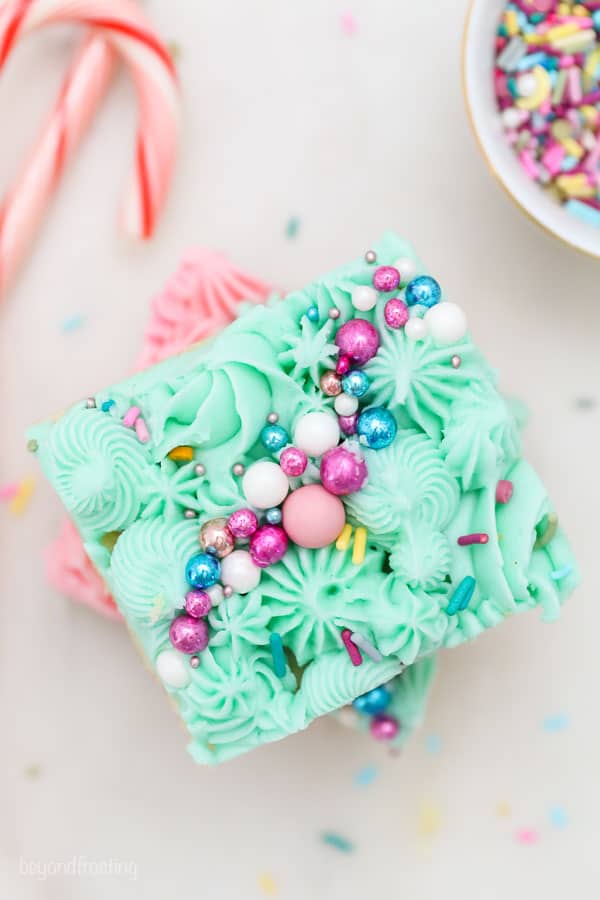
[{"x": 127, "y": 30}]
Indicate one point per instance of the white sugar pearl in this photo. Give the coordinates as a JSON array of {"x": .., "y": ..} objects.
[
  {"x": 416, "y": 329},
  {"x": 526, "y": 85},
  {"x": 364, "y": 297},
  {"x": 407, "y": 268},
  {"x": 346, "y": 404},
  {"x": 265, "y": 484},
  {"x": 215, "y": 593},
  {"x": 172, "y": 669},
  {"x": 512, "y": 117},
  {"x": 315, "y": 433},
  {"x": 239, "y": 572},
  {"x": 447, "y": 323}
]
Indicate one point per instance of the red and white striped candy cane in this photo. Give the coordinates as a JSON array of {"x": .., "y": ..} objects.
[{"x": 123, "y": 25}]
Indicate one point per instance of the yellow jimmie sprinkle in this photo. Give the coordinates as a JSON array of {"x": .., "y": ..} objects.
[
  {"x": 511, "y": 22},
  {"x": 573, "y": 148},
  {"x": 576, "y": 185},
  {"x": 343, "y": 542},
  {"x": 542, "y": 91},
  {"x": 561, "y": 31},
  {"x": 267, "y": 884},
  {"x": 20, "y": 501},
  {"x": 181, "y": 454},
  {"x": 360, "y": 546}
]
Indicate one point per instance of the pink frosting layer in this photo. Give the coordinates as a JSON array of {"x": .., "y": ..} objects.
[{"x": 201, "y": 297}]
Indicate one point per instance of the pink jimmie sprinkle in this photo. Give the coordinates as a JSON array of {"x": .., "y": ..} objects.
[
  {"x": 348, "y": 23},
  {"x": 141, "y": 429},
  {"x": 353, "y": 651},
  {"x": 9, "y": 491},
  {"x": 504, "y": 491},
  {"x": 527, "y": 836},
  {"x": 131, "y": 416},
  {"x": 479, "y": 538}
]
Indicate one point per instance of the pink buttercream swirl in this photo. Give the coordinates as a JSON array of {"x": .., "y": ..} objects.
[{"x": 200, "y": 299}]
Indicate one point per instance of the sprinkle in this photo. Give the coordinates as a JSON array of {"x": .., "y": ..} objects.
[
  {"x": 337, "y": 841},
  {"x": 353, "y": 651},
  {"x": 348, "y": 23},
  {"x": 586, "y": 403},
  {"x": 433, "y": 744},
  {"x": 366, "y": 646},
  {"x": 360, "y": 546},
  {"x": 461, "y": 597},
  {"x": 107, "y": 405},
  {"x": 72, "y": 323},
  {"x": 546, "y": 530},
  {"x": 527, "y": 836},
  {"x": 561, "y": 573},
  {"x": 33, "y": 772},
  {"x": 503, "y": 810},
  {"x": 504, "y": 491},
  {"x": 456, "y": 361},
  {"x": 558, "y": 817},
  {"x": 32, "y": 445},
  {"x": 181, "y": 454},
  {"x": 279, "y": 664},
  {"x": 479, "y": 537},
  {"x": 141, "y": 429},
  {"x": 20, "y": 501},
  {"x": 365, "y": 777},
  {"x": 555, "y": 723},
  {"x": 292, "y": 227},
  {"x": 131, "y": 416},
  {"x": 267, "y": 884},
  {"x": 9, "y": 491},
  {"x": 430, "y": 820},
  {"x": 343, "y": 542}
]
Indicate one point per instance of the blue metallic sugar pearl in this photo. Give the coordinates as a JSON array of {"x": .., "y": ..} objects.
[
  {"x": 273, "y": 516},
  {"x": 274, "y": 437},
  {"x": 373, "y": 702},
  {"x": 424, "y": 290},
  {"x": 312, "y": 314},
  {"x": 376, "y": 428},
  {"x": 202, "y": 570},
  {"x": 356, "y": 383}
]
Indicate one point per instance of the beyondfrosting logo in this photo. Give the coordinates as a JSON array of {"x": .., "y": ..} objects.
[{"x": 78, "y": 867}]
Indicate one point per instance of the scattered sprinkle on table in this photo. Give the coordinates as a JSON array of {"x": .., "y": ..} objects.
[
  {"x": 348, "y": 23},
  {"x": 72, "y": 323},
  {"x": 586, "y": 403},
  {"x": 20, "y": 501},
  {"x": 503, "y": 810},
  {"x": 292, "y": 227},
  {"x": 430, "y": 820},
  {"x": 556, "y": 722},
  {"x": 365, "y": 777},
  {"x": 9, "y": 491},
  {"x": 33, "y": 772},
  {"x": 433, "y": 744},
  {"x": 527, "y": 836},
  {"x": 558, "y": 817},
  {"x": 547, "y": 83},
  {"x": 267, "y": 884},
  {"x": 337, "y": 841}
]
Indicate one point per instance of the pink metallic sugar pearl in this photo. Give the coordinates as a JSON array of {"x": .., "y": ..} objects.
[
  {"x": 342, "y": 471},
  {"x": 189, "y": 635},
  {"x": 386, "y": 278},
  {"x": 504, "y": 491},
  {"x": 242, "y": 523},
  {"x": 216, "y": 537},
  {"x": 349, "y": 424},
  {"x": 384, "y": 728},
  {"x": 293, "y": 461},
  {"x": 197, "y": 604},
  {"x": 312, "y": 517},
  {"x": 395, "y": 313},
  {"x": 343, "y": 364},
  {"x": 359, "y": 340},
  {"x": 268, "y": 545},
  {"x": 330, "y": 383}
]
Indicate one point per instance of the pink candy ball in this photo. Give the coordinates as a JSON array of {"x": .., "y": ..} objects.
[
  {"x": 384, "y": 728},
  {"x": 268, "y": 545},
  {"x": 395, "y": 313},
  {"x": 359, "y": 340},
  {"x": 312, "y": 517},
  {"x": 386, "y": 278},
  {"x": 189, "y": 635},
  {"x": 349, "y": 424},
  {"x": 342, "y": 471},
  {"x": 197, "y": 604},
  {"x": 293, "y": 461},
  {"x": 242, "y": 523}
]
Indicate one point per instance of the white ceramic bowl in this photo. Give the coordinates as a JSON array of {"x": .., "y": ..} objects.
[{"x": 478, "y": 67}]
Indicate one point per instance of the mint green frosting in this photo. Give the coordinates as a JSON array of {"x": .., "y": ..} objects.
[{"x": 434, "y": 483}]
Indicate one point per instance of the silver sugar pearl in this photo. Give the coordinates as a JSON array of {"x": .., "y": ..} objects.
[
  {"x": 194, "y": 661},
  {"x": 456, "y": 361},
  {"x": 273, "y": 418},
  {"x": 200, "y": 469},
  {"x": 334, "y": 313},
  {"x": 227, "y": 590},
  {"x": 370, "y": 256},
  {"x": 90, "y": 403},
  {"x": 189, "y": 514},
  {"x": 238, "y": 469},
  {"x": 32, "y": 445}
]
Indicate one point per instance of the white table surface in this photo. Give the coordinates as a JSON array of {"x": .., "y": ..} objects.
[{"x": 285, "y": 114}]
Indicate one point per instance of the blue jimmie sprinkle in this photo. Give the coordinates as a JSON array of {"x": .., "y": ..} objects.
[
  {"x": 558, "y": 817},
  {"x": 107, "y": 405},
  {"x": 337, "y": 841},
  {"x": 561, "y": 573},
  {"x": 278, "y": 655},
  {"x": 557, "y": 722},
  {"x": 461, "y": 597},
  {"x": 366, "y": 776}
]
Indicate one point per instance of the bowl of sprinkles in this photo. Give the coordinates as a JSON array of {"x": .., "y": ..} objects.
[{"x": 531, "y": 71}]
